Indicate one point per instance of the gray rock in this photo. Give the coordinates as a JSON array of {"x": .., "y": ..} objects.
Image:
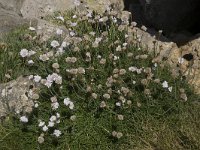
[
  {"x": 40, "y": 8},
  {"x": 11, "y": 5},
  {"x": 46, "y": 30},
  {"x": 102, "y": 5},
  {"x": 14, "y": 97},
  {"x": 9, "y": 20}
]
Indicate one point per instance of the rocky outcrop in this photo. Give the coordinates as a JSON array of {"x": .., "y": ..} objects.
[
  {"x": 184, "y": 60},
  {"x": 17, "y": 12},
  {"x": 14, "y": 97},
  {"x": 11, "y": 5},
  {"x": 41, "y": 8},
  {"x": 187, "y": 57},
  {"x": 9, "y": 20},
  {"x": 103, "y": 5}
]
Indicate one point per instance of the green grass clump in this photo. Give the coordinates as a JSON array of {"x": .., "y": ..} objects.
[{"x": 117, "y": 92}]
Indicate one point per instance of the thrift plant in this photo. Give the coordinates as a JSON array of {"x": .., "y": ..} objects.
[{"x": 98, "y": 87}]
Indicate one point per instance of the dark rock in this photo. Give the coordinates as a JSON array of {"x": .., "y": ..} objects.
[{"x": 172, "y": 15}]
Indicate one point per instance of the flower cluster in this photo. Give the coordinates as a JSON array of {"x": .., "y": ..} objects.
[{"x": 93, "y": 65}]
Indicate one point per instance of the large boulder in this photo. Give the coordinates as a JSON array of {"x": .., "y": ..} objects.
[
  {"x": 9, "y": 20},
  {"x": 17, "y": 12},
  {"x": 172, "y": 15},
  {"x": 40, "y": 8},
  {"x": 11, "y": 5}
]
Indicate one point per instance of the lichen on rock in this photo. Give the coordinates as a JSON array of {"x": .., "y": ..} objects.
[{"x": 14, "y": 96}]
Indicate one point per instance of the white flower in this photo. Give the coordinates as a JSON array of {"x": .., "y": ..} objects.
[
  {"x": 125, "y": 44},
  {"x": 57, "y": 133},
  {"x": 40, "y": 139},
  {"x": 24, "y": 53},
  {"x": 41, "y": 123},
  {"x": 36, "y": 105},
  {"x": 48, "y": 84},
  {"x": 53, "y": 118},
  {"x": 51, "y": 124},
  {"x": 97, "y": 40},
  {"x": 132, "y": 69},
  {"x": 170, "y": 89},
  {"x": 139, "y": 71},
  {"x": 53, "y": 77},
  {"x": 92, "y": 33},
  {"x": 30, "y": 62},
  {"x": 73, "y": 118},
  {"x": 37, "y": 78},
  {"x": 59, "y": 31},
  {"x": 165, "y": 84},
  {"x": 134, "y": 24},
  {"x": 69, "y": 103},
  {"x": 31, "y": 52},
  {"x": 89, "y": 15},
  {"x": 58, "y": 121},
  {"x": 60, "y": 51},
  {"x": 144, "y": 28},
  {"x": 118, "y": 104},
  {"x": 134, "y": 82},
  {"x": 64, "y": 44},
  {"x": 54, "y": 43},
  {"x": 119, "y": 48},
  {"x": 116, "y": 58},
  {"x": 106, "y": 96},
  {"x": 30, "y": 77},
  {"x": 24, "y": 119},
  {"x": 74, "y": 16},
  {"x": 44, "y": 57},
  {"x": 45, "y": 128},
  {"x": 180, "y": 60},
  {"x": 101, "y": 20},
  {"x": 58, "y": 79},
  {"x": 60, "y": 18},
  {"x": 72, "y": 33},
  {"x": 57, "y": 115},
  {"x": 31, "y": 28},
  {"x": 73, "y": 24},
  {"x": 55, "y": 105},
  {"x": 114, "y": 19}
]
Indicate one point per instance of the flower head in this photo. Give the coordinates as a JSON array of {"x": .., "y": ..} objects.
[
  {"x": 55, "y": 44},
  {"x": 24, "y": 53},
  {"x": 69, "y": 103},
  {"x": 165, "y": 84},
  {"x": 57, "y": 133},
  {"x": 24, "y": 119}
]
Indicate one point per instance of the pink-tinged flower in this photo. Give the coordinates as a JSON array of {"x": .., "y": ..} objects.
[
  {"x": 24, "y": 53},
  {"x": 59, "y": 31}
]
